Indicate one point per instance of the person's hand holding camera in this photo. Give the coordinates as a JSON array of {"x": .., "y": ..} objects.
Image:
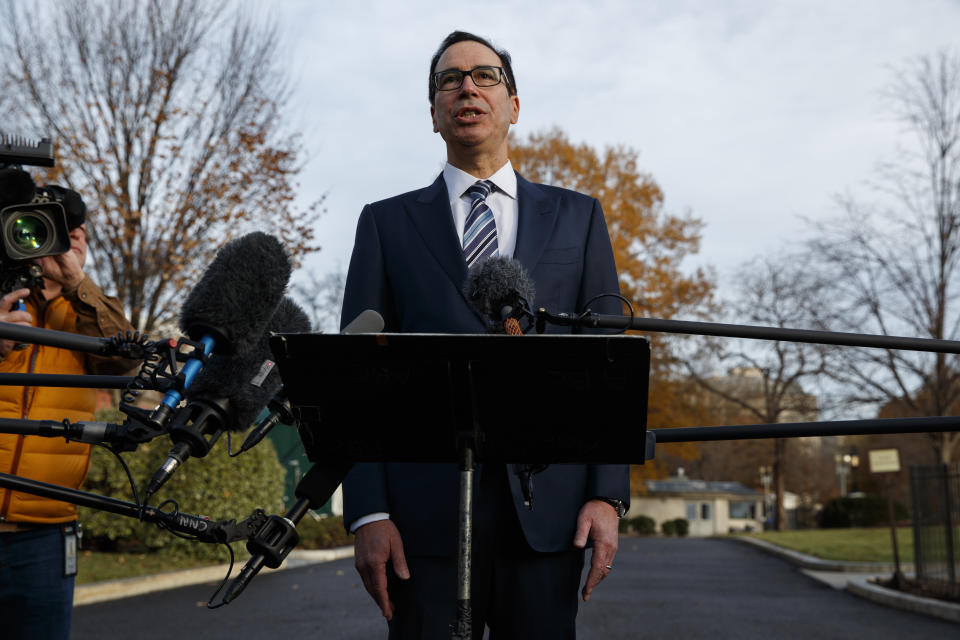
[
  {"x": 66, "y": 269},
  {"x": 9, "y": 314}
]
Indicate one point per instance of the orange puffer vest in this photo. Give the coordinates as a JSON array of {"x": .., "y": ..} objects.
[{"x": 51, "y": 460}]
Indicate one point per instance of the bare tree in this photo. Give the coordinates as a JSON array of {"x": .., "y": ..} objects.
[
  {"x": 892, "y": 261},
  {"x": 764, "y": 381},
  {"x": 166, "y": 115},
  {"x": 322, "y": 298}
]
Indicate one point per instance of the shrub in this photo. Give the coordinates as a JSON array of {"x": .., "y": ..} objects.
[
  {"x": 216, "y": 486},
  {"x": 322, "y": 533},
  {"x": 642, "y": 525},
  {"x": 675, "y": 527},
  {"x": 865, "y": 511},
  {"x": 682, "y": 526}
]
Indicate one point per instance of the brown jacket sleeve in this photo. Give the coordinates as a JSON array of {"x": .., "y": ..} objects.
[{"x": 102, "y": 316}]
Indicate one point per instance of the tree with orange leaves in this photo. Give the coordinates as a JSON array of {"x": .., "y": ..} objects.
[
  {"x": 649, "y": 247},
  {"x": 166, "y": 119}
]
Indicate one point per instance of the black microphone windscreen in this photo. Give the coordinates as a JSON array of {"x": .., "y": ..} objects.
[
  {"x": 496, "y": 282},
  {"x": 249, "y": 380},
  {"x": 238, "y": 293}
]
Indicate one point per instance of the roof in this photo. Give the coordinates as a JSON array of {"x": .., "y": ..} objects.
[{"x": 686, "y": 485}]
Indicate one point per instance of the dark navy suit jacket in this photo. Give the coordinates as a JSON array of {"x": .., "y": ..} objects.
[{"x": 408, "y": 265}]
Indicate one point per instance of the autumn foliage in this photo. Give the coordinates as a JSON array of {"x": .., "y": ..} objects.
[
  {"x": 166, "y": 118},
  {"x": 649, "y": 246}
]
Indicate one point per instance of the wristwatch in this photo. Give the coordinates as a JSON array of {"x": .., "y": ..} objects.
[{"x": 616, "y": 504}]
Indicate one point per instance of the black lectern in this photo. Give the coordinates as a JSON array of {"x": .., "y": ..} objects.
[
  {"x": 410, "y": 397},
  {"x": 442, "y": 398}
]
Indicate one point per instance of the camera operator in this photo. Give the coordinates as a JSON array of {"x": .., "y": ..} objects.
[{"x": 38, "y": 536}]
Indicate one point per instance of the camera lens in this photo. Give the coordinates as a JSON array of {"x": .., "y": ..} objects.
[
  {"x": 34, "y": 230},
  {"x": 30, "y": 233}
]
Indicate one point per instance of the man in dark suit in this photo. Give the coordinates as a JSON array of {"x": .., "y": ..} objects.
[{"x": 409, "y": 262}]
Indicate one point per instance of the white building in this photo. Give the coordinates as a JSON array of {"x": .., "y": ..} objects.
[{"x": 711, "y": 508}]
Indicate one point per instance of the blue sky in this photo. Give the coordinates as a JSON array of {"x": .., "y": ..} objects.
[{"x": 749, "y": 114}]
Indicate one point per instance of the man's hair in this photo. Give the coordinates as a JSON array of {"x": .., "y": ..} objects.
[{"x": 463, "y": 36}]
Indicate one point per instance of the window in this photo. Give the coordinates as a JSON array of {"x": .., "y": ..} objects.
[
  {"x": 743, "y": 509},
  {"x": 705, "y": 511},
  {"x": 691, "y": 511}
]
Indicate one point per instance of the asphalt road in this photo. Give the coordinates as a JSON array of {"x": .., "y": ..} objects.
[{"x": 660, "y": 588}]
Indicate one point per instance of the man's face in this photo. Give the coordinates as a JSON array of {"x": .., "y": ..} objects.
[
  {"x": 78, "y": 243},
  {"x": 471, "y": 116}
]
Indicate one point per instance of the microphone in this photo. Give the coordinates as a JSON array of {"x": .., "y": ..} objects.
[
  {"x": 227, "y": 394},
  {"x": 271, "y": 544},
  {"x": 500, "y": 290},
  {"x": 231, "y": 304},
  {"x": 368, "y": 321}
]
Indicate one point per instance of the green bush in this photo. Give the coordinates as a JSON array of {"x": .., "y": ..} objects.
[
  {"x": 322, "y": 533},
  {"x": 865, "y": 511},
  {"x": 216, "y": 486},
  {"x": 682, "y": 526},
  {"x": 641, "y": 525},
  {"x": 676, "y": 527}
]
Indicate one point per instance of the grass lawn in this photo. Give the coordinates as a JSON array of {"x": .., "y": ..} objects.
[
  {"x": 97, "y": 566},
  {"x": 855, "y": 545}
]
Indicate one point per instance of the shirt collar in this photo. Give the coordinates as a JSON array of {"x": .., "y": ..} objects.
[{"x": 458, "y": 181}]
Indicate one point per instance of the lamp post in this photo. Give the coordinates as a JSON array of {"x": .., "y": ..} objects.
[
  {"x": 845, "y": 462},
  {"x": 766, "y": 477}
]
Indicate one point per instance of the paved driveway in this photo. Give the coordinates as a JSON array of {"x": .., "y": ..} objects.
[{"x": 660, "y": 588}]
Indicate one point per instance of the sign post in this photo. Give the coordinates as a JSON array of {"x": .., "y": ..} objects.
[{"x": 888, "y": 461}]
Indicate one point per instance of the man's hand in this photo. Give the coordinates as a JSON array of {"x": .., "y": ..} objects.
[
  {"x": 64, "y": 269},
  {"x": 375, "y": 544},
  {"x": 598, "y": 522},
  {"x": 17, "y": 317}
]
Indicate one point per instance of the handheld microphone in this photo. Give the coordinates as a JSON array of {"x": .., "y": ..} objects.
[
  {"x": 368, "y": 321},
  {"x": 227, "y": 394},
  {"x": 231, "y": 304},
  {"x": 500, "y": 290}
]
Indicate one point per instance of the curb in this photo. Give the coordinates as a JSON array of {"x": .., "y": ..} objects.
[
  {"x": 129, "y": 587},
  {"x": 866, "y": 588},
  {"x": 818, "y": 564},
  {"x": 908, "y": 602}
]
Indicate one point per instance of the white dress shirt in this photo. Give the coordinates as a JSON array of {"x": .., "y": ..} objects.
[{"x": 502, "y": 202}]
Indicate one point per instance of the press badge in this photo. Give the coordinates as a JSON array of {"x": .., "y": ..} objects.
[{"x": 69, "y": 532}]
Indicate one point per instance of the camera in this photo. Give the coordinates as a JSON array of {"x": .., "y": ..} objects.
[{"x": 33, "y": 220}]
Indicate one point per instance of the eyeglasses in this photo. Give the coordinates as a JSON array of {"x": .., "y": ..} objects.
[{"x": 452, "y": 79}]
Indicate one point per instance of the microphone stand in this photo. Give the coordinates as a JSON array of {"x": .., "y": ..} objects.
[
  {"x": 590, "y": 320},
  {"x": 64, "y": 380},
  {"x": 223, "y": 531},
  {"x": 72, "y": 341}
]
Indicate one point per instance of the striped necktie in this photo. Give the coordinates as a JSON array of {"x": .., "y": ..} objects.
[{"x": 479, "y": 229}]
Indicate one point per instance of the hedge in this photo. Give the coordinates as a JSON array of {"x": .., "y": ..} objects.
[
  {"x": 865, "y": 511},
  {"x": 216, "y": 486}
]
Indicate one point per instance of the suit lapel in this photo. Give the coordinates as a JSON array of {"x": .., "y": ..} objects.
[
  {"x": 538, "y": 216},
  {"x": 431, "y": 215}
]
